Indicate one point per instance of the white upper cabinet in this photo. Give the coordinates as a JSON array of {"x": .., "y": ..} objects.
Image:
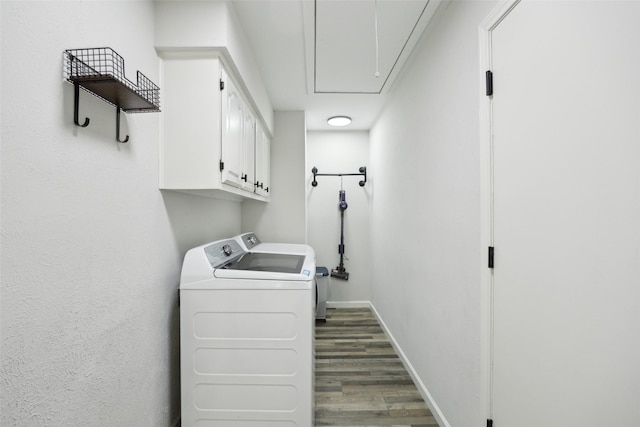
[
  {"x": 208, "y": 137},
  {"x": 211, "y": 27},
  {"x": 263, "y": 163}
]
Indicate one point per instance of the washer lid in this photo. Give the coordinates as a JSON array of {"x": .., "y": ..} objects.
[
  {"x": 279, "y": 263},
  {"x": 268, "y": 266}
]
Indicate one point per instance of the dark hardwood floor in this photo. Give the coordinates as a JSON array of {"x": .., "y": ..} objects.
[{"x": 360, "y": 380}]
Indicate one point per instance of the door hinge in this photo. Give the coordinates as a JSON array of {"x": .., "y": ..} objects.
[
  {"x": 489, "y": 82},
  {"x": 221, "y": 165},
  {"x": 490, "y": 256},
  {"x": 489, "y": 423},
  {"x": 221, "y": 85}
]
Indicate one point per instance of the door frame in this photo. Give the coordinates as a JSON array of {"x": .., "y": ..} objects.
[{"x": 486, "y": 205}]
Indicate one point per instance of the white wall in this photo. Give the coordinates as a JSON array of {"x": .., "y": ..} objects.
[
  {"x": 340, "y": 152},
  {"x": 425, "y": 166},
  {"x": 91, "y": 250},
  {"x": 283, "y": 219}
]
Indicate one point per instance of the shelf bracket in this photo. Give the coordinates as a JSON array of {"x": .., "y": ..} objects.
[
  {"x": 126, "y": 139},
  {"x": 76, "y": 101},
  {"x": 362, "y": 172}
]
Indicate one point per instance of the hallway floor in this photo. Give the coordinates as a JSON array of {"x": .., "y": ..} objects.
[{"x": 360, "y": 380}]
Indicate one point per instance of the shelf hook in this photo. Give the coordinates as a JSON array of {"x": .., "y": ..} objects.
[
  {"x": 76, "y": 101},
  {"x": 126, "y": 139}
]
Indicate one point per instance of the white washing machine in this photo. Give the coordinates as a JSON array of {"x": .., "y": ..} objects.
[{"x": 246, "y": 334}]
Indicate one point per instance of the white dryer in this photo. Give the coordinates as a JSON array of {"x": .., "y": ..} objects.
[
  {"x": 251, "y": 243},
  {"x": 246, "y": 334}
]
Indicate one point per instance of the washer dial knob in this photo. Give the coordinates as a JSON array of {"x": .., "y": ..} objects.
[{"x": 226, "y": 249}]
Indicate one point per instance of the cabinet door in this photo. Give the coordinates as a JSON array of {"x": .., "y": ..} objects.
[
  {"x": 232, "y": 122},
  {"x": 249, "y": 151},
  {"x": 190, "y": 138},
  {"x": 263, "y": 162}
]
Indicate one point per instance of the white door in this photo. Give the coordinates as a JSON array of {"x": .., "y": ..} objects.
[{"x": 566, "y": 215}]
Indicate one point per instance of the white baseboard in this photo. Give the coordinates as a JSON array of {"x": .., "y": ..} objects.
[
  {"x": 435, "y": 410},
  {"x": 348, "y": 304}
]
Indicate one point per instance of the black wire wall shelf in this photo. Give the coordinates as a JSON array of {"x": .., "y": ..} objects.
[{"x": 100, "y": 71}]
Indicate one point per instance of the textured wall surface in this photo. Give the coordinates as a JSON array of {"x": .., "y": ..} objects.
[
  {"x": 91, "y": 249},
  {"x": 426, "y": 166}
]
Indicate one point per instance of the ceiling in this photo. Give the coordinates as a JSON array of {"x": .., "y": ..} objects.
[{"x": 332, "y": 57}]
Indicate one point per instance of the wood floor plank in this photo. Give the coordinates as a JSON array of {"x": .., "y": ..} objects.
[{"x": 360, "y": 381}]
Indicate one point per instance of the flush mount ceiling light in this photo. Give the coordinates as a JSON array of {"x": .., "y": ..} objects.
[{"x": 339, "y": 121}]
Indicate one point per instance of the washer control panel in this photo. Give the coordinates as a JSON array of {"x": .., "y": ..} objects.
[
  {"x": 250, "y": 240},
  {"x": 223, "y": 252}
]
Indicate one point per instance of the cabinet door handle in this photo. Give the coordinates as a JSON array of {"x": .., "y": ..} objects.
[{"x": 244, "y": 177}]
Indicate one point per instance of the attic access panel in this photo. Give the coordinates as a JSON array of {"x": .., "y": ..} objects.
[{"x": 345, "y": 42}]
